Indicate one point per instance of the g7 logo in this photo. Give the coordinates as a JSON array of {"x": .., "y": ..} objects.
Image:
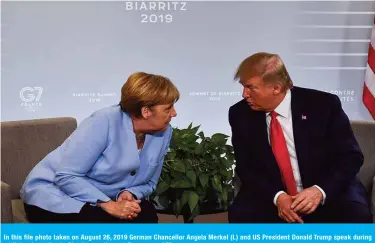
[{"x": 30, "y": 96}]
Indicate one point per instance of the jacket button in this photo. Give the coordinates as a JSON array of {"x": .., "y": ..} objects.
[{"x": 132, "y": 173}]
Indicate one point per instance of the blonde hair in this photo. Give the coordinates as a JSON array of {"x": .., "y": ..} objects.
[
  {"x": 144, "y": 89},
  {"x": 269, "y": 67}
]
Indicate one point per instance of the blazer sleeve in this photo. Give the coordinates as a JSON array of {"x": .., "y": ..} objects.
[
  {"x": 346, "y": 154},
  {"x": 78, "y": 155},
  {"x": 246, "y": 171}
]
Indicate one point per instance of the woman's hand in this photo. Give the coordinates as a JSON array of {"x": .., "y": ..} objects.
[
  {"x": 122, "y": 209},
  {"x": 125, "y": 196}
]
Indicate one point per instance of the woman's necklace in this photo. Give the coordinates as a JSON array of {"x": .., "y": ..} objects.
[
  {"x": 140, "y": 138},
  {"x": 140, "y": 141}
]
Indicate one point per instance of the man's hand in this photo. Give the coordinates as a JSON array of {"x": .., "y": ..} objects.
[
  {"x": 125, "y": 196},
  {"x": 284, "y": 202},
  {"x": 307, "y": 200}
]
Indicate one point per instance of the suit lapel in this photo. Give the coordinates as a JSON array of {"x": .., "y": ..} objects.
[
  {"x": 300, "y": 133},
  {"x": 261, "y": 120}
]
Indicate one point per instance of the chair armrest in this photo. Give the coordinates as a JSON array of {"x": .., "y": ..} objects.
[
  {"x": 373, "y": 200},
  {"x": 6, "y": 204}
]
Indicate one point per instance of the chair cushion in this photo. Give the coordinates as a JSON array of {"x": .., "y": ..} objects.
[{"x": 18, "y": 210}]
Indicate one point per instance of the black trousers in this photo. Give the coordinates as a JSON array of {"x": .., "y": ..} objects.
[
  {"x": 251, "y": 210},
  {"x": 340, "y": 212},
  {"x": 89, "y": 214}
]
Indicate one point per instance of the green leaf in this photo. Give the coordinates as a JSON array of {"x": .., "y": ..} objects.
[
  {"x": 181, "y": 184},
  {"x": 229, "y": 148},
  {"x": 195, "y": 129},
  {"x": 227, "y": 163},
  {"x": 198, "y": 149},
  {"x": 179, "y": 167},
  {"x": 183, "y": 137},
  {"x": 188, "y": 164},
  {"x": 216, "y": 183},
  {"x": 177, "y": 206},
  {"x": 163, "y": 201},
  {"x": 176, "y": 175},
  {"x": 185, "y": 197},
  {"x": 229, "y": 174},
  {"x": 162, "y": 187},
  {"x": 223, "y": 172},
  {"x": 203, "y": 178},
  {"x": 220, "y": 139},
  {"x": 215, "y": 157},
  {"x": 225, "y": 195},
  {"x": 195, "y": 212},
  {"x": 193, "y": 200},
  {"x": 192, "y": 177},
  {"x": 201, "y": 135},
  {"x": 216, "y": 179},
  {"x": 219, "y": 136},
  {"x": 230, "y": 157},
  {"x": 167, "y": 178},
  {"x": 171, "y": 155}
]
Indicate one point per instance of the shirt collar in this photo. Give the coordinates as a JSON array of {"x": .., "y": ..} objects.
[{"x": 283, "y": 109}]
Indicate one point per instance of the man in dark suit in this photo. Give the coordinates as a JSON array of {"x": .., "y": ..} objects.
[{"x": 296, "y": 155}]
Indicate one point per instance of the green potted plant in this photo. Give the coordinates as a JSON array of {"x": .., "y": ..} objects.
[{"x": 197, "y": 174}]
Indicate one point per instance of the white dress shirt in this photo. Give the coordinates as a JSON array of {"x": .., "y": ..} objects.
[{"x": 284, "y": 117}]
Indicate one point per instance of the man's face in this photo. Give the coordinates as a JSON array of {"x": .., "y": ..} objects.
[
  {"x": 259, "y": 95},
  {"x": 161, "y": 116}
]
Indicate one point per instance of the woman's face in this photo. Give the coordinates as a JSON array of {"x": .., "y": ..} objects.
[{"x": 160, "y": 117}]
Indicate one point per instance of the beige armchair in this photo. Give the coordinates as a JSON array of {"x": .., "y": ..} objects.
[
  {"x": 364, "y": 132},
  {"x": 23, "y": 145}
]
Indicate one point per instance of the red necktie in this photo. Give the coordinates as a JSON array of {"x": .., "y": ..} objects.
[{"x": 281, "y": 153}]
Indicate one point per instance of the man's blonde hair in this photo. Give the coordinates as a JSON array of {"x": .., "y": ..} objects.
[
  {"x": 269, "y": 67},
  {"x": 144, "y": 89}
]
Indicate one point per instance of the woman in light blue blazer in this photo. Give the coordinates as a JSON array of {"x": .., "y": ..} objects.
[{"x": 111, "y": 163}]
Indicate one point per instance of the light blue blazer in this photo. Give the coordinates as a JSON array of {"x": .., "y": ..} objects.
[{"x": 97, "y": 162}]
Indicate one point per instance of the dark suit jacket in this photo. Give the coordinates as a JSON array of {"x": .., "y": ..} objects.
[{"x": 327, "y": 151}]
